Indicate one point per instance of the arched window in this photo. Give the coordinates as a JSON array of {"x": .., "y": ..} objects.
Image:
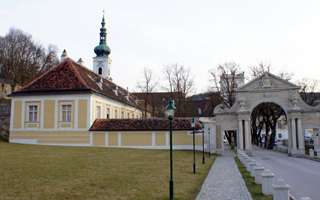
[{"x": 100, "y": 71}]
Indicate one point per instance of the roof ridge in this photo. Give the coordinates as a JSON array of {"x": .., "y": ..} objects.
[{"x": 77, "y": 73}]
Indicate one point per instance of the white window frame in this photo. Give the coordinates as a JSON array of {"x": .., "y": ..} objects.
[
  {"x": 38, "y": 109},
  {"x": 108, "y": 113},
  {"x": 61, "y": 111},
  {"x": 98, "y": 112},
  {"x": 116, "y": 113}
]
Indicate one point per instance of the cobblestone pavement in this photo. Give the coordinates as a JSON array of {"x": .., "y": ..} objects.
[{"x": 224, "y": 180}]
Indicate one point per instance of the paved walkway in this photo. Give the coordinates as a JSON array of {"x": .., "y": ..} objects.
[{"x": 224, "y": 180}]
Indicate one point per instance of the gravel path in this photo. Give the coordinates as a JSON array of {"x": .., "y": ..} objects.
[{"x": 224, "y": 180}]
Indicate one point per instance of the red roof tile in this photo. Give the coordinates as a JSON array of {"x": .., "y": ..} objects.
[
  {"x": 151, "y": 124},
  {"x": 69, "y": 76},
  {"x": 64, "y": 76}
]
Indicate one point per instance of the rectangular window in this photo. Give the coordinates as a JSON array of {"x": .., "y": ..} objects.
[
  {"x": 279, "y": 136},
  {"x": 128, "y": 115},
  {"x": 132, "y": 115},
  {"x": 66, "y": 113},
  {"x": 33, "y": 113},
  {"x": 115, "y": 114},
  {"x": 122, "y": 114},
  {"x": 108, "y": 113},
  {"x": 98, "y": 112}
]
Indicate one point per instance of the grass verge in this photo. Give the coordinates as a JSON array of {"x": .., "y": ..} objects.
[
  {"x": 60, "y": 172},
  {"x": 254, "y": 189}
]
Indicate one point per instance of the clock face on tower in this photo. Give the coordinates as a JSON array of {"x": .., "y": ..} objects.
[{"x": 100, "y": 63}]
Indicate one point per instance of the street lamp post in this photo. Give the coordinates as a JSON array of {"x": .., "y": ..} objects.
[
  {"x": 209, "y": 142},
  {"x": 203, "y": 159},
  {"x": 169, "y": 114},
  {"x": 193, "y": 125}
]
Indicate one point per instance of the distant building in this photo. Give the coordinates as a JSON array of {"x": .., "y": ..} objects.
[
  {"x": 6, "y": 86},
  {"x": 233, "y": 81}
]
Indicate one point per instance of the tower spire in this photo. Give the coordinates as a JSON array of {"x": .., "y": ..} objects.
[
  {"x": 102, "y": 49},
  {"x": 103, "y": 31}
]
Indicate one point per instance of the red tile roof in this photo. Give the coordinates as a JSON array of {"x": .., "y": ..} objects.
[
  {"x": 151, "y": 124},
  {"x": 63, "y": 76},
  {"x": 71, "y": 77}
]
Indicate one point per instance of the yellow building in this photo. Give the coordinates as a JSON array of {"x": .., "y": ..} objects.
[
  {"x": 72, "y": 105},
  {"x": 60, "y": 106},
  {"x": 151, "y": 133}
]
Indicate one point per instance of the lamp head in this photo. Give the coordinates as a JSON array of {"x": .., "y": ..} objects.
[
  {"x": 193, "y": 123},
  {"x": 170, "y": 110}
]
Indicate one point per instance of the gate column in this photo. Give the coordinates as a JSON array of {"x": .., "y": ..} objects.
[
  {"x": 240, "y": 137},
  {"x": 294, "y": 135},
  {"x": 300, "y": 136},
  {"x": 247, "y": 135}
]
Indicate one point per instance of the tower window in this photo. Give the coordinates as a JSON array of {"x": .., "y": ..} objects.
[{"x": 100, "y": 71}]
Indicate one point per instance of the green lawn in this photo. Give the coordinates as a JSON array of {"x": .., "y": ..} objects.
[
  {"x": 59, "y": 172},
  {"x": 254, "y": 189}
]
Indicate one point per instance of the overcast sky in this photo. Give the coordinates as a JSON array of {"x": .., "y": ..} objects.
[{"x": 196, "y": 34}]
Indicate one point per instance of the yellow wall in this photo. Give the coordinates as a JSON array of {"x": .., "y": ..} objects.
[
  {"x": 32, "y": 125},
  {"x": 112, "y": 139},
  {"x": 17, "y": 114},
  {"x": 99, "y": 139},
  {"x": 64, "y": 141},
  {"x": 66, "y": 125},
  {"x": 49, "y": 114},
  {"x": 82, "y": 113},
  {"x": 160, "y": 138},
  {"x": 53, "y": 136},
  {"x": 136, "y": 139},
  {"x": 182, "y": 138}
]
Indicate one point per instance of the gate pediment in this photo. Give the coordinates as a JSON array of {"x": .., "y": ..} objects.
[{"x": 267, "y": 81}]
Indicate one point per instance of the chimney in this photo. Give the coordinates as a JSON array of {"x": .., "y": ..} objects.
[
  {"x": 80, "y": 61},
  {"x": 64, "y": 55}
]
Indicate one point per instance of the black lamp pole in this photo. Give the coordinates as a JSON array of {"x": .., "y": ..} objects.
[
  {"x": 170, "y": 113},
  {"x": 209, "y": 142},
  {"x": 203, "y": 159},
  {"x": 193, "y": 125}
]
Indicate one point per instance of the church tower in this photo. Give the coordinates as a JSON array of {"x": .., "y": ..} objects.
[{"x": 102, "y": 62}]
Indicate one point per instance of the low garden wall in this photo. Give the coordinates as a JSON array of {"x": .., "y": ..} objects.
[{"x": 4, "y": 126}]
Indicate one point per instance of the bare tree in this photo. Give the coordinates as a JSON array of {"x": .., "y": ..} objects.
[
  {"x": 258, "y": 70},
  {"x": 23, "y": 59},
  {"x": 264, "y": 66},
  {"x": 180, "y": 82},
  {"x": 223, "y": 80},
  {"x": 147, "y": 87},
  {"x": 309, "y": 90}
]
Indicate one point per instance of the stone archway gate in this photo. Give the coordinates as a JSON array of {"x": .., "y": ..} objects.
[{"x": 268, "y": 88}]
